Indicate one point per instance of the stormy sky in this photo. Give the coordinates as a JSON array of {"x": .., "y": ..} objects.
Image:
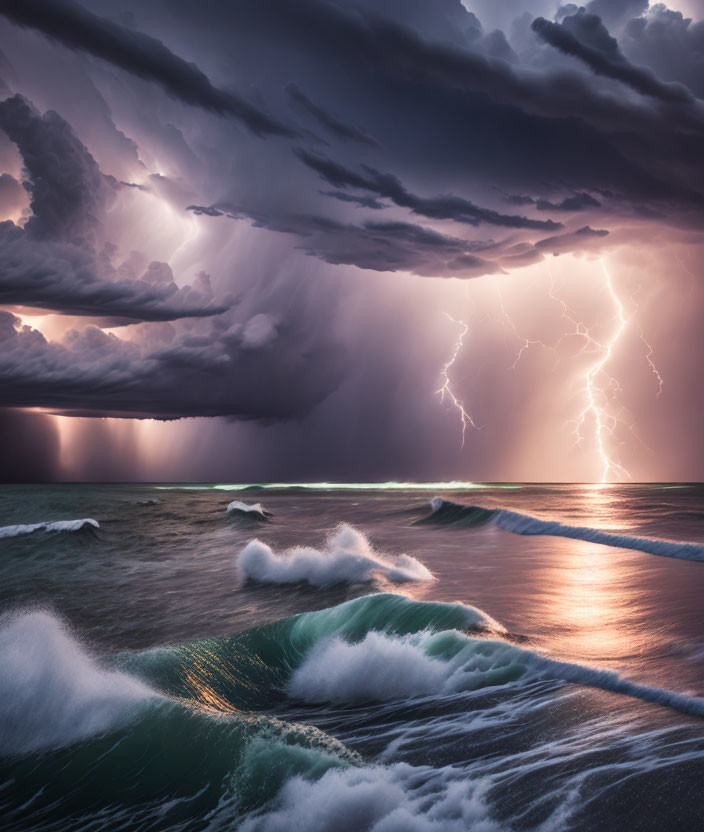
[{"x": 351, "y": 240}]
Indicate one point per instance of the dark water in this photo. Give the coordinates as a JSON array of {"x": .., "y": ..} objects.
[{"x": 547, "y": 677}]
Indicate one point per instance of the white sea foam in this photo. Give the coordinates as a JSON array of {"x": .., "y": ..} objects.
[
  {"x": 398, "y": 798},
  {"x": 52, "y": 692},
  {"x": 50, "y": 526},
  {"x": 347, "y": 557},
  {"x": 388, "y": 667},
  {"x": 246, "y": 508}
]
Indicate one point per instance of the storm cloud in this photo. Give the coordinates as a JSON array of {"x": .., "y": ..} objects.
[
  {"x": 602, "y": 55},
  {"x": 137, "y": 53},
  {"x": 57, "y": 261},
  {"x": 332, "y": 124},
  {"x": 231, "y": 371},
  {"x": 273, "y": 287}
]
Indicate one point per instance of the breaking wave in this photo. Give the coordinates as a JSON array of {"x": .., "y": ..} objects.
[
  {"x": 162, "y": 737},
  {"x": 52, "y": 692},
  {"x": 250, "y": 670},
  {"x": 397, "y": 798},
  {"x": 51, "y": 526},
  {"x": 247, "y": 511},
  {"x": 347, "y": 557},
  {"x": 448, "y": 662},
  {"x": 447, "y": 512}
]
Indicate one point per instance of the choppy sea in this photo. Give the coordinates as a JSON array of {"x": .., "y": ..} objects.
[{"x": 396, "y": 658}]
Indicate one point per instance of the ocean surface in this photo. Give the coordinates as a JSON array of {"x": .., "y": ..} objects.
[{"x": 398, "y": 658}]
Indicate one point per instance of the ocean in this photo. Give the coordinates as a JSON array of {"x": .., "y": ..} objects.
[{"x": 392, "y": 657}]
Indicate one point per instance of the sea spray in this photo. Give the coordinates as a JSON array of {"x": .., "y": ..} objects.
[
  {"x": 52, "y": 692},
  {"x": 346, "y": 557}
]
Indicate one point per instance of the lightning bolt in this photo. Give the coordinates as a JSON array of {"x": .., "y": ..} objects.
[
  {"x": 446, "y": 391},
  {"x": 597, "y": 396},
  {"x": 603, "y": 417},
  {"x": 601, "y": 389}
]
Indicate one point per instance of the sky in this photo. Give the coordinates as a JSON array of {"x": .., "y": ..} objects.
[{"x": 351, "y": 240}]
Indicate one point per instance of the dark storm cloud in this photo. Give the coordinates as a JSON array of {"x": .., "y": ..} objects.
[
  {"x": 575, "y": 202},
  {"x": 56, "y": 261},
  {"x": 333, "y": 125},
  {"x": 670, "y": 44},
  {"x": 362, "y": 201},
  {"x": 378, "y": 246},
  {"x": 390, "y": 187},
  {"x": 370, "y": 42},
  {"x": 542, "y": 120},
  {"x": 67, "y": 190},
  {"x": 401, "y": 246},
  {"x": 582, "y": 240},
  {"x": 255, "y": 369},
  {"x": 137, "y": 53},
  {"x": 64, "y": 277},
  {"x": 584, "y": 37}
]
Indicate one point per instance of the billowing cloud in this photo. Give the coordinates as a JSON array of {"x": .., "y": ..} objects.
[
  {"x": 56, "y": 261},
  {"x": 228, "y": 370}
]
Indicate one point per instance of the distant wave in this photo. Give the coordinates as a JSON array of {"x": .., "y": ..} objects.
[
  {"x": 347, "y": 557},
  {"x": 53, "y": 526},
  {"x": 447, "y": 512},
  {"x": 254, "y": 511}
]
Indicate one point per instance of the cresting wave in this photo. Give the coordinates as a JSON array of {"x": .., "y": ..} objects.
[
  {"x": 377, "y": 647},
  {"x": 192, "y": 715},
  {"x": 52, "y": 693},
  {"x": 249, "y": 511},
  {"x": 50, "y": 526},
  {"x": 448, "y": 662},
  {"x": 447, "y": 512},
  {"x": 71, "y": 724},
  {"x": 347, "y": 557}
]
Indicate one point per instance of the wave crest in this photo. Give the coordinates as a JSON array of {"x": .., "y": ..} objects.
[
  {"x": 49, "y": 526},
  {"x": 52, "y": 692},
  {"x": 249, "y": 511},
  {"x": 443, "y": 663},
  {"x": 447, "y": 512},
  {"x": 347, "y": 557}
]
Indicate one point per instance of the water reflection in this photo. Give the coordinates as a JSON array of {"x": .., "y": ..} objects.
[{"x": 591, "y": 601}]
